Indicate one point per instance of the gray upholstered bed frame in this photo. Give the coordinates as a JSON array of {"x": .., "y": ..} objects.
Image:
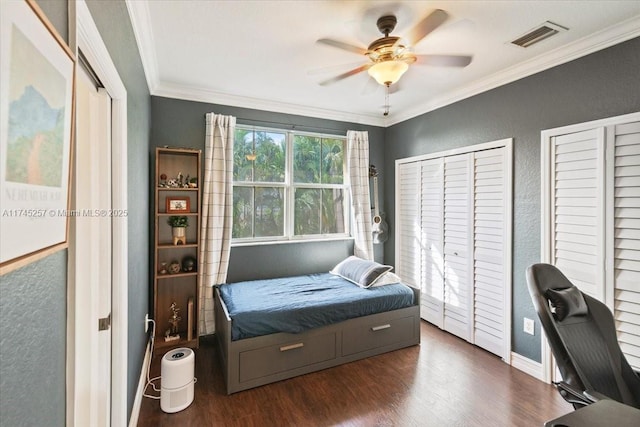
[{"x": 257, "y": 361}]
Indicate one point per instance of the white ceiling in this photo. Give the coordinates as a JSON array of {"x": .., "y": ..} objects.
[{"x": 264, "y": 55}]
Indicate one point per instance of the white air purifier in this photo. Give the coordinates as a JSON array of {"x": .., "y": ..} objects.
[{"x": 177, "y": 370}]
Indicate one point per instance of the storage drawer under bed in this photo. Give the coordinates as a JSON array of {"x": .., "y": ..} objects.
[
  {"x": 376, "y": 334},
  {"x": 277, "y": 358}
]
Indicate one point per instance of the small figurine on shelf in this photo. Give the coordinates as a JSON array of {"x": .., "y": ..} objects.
[
  {"x": 163, "y": 268},
  {"x": 185, "y": 184},
  {"x": 172, "y": 333},
  {"x": 180, "y": 179},
  {"x": 193, "y": 182},
  {"x": 163, "y": 180}
]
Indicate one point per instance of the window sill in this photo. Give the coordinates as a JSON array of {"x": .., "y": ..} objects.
[{"x": 288, "y": 241}]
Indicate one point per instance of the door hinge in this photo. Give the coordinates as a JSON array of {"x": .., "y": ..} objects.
[{"x": 104, "y": 323}]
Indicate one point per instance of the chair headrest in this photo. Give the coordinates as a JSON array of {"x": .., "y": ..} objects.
[{"x": 567, "y": 302}]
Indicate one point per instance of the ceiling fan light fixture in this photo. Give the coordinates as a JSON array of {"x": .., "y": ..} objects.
[{"x": 388, "y": 72}]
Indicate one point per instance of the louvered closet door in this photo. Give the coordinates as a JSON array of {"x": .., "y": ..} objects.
[
  {"x": 458, "y": 245},
  {"x": 408, "y": 220},
  {"x": 432, "y": 296},
  {"x": 626, "y": 239},
  {"x": 578, "y": 209},
  {"x": 490, "y": 225}
]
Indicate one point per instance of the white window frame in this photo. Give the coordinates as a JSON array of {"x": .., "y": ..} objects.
[{"x": 289, "y": 191}]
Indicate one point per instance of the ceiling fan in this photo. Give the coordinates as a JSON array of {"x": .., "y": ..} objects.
[{"x": 390, "y": 56}]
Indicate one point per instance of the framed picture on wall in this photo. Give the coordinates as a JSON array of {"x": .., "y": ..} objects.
[
  {"x": 178, "y": 204},
  {"x": 36, "y": 122}
]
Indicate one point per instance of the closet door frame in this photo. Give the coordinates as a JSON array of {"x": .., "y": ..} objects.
[
  {"x": 547, "y": 228},
  {"x": 507, "y": 144}
]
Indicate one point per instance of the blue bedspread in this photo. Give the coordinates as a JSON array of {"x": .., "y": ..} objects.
[{"x": 295, "y": 304}]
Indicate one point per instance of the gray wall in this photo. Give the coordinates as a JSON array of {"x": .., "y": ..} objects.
[
  {"x": 33, "y": 303},
  {"x": 33, "y": 308},
  {"x": 604, "y": 84},
  {"x": 182, "y": 124}
]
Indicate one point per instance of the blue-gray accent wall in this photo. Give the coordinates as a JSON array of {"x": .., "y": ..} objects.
[
  {"x": 600, "y": 85},
  {"x": 33, "y": 315},
  {"x": 179, "y": 123}
]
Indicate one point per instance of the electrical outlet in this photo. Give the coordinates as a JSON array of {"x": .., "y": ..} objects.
[
  {"x": 529, "y": 326},
  {"x": 146, "y": 323}
]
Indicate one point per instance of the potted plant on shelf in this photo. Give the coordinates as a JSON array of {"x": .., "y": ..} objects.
[{"x": 178, "y": 225}]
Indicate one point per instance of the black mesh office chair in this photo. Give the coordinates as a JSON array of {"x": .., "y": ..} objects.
[{"x": 582, "y": 336}]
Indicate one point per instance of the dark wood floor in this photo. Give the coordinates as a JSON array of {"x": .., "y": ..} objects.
[{"x": 442, "y": 382}]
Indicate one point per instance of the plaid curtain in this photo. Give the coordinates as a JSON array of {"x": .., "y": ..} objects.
[
  {"x": 217, "y": 214},
  {"x": 358, "y": 157}
]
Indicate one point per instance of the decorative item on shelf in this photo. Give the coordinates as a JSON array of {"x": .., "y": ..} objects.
[
  {"x": 163, "y": 268},
  {"x": 174, "y": 267},
  {"x": 189, "y": 264},
  {"x": 185, "y": 184},
  {"x": 163, "y": 180},
  {"x": 179, "y": 226},
  {"x": 193, "y": 182},
  {"x": 174, "y": 320},
  {"x": 178, "y": 204}
]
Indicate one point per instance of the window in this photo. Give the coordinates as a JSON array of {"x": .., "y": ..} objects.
[{"x": 288, "y": 185}]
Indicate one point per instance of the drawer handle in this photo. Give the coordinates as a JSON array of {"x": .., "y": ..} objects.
[
  {"x": 292, "y": 346},
  {"x": 381, "y": 327}
]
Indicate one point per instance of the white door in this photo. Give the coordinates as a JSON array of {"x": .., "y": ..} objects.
[
  {"x": 591, "y": 194},
  {"x": 458, "y": 246},
  {"x": 90, "y": 253},
  {"x": 624, "y": 238},
  {"x": 492, "y": 216},
  {"x": 432, "y": 241}
]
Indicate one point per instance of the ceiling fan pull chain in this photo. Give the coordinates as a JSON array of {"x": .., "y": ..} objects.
[{"x": 386, "y": 99}]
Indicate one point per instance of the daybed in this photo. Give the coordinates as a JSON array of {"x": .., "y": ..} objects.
[{"x": 257, "y": 360}]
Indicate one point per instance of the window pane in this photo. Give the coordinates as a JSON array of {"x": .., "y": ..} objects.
[
  {"x": 332, "y": 211},
  {"x": 269, "y": 212},
  {"x": 266, "y": 153},
  {"x": 307, "y": 215},
  {"x": 306, "y": 159},
  {"x": 270, "y": 157},
  {"x": 242, "y": 212},
  {"x": 242, "y": 146},
  {"x": 332, "y": 161}
]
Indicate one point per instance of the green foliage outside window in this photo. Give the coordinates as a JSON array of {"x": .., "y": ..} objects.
[{"x": 317, "y": 180}]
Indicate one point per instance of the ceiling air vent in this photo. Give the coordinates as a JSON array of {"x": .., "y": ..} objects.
[{"x": 541, "y": 32}]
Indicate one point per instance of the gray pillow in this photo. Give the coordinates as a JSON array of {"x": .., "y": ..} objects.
[
  {"x": 567, "y": 302},
  {"x": 360, "y": 271}
]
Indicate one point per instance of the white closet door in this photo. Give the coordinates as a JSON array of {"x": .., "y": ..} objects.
[
  {"x": 490, "y": 229},
  {"x": 626, "y": 239},
  {"x": 578, "y": 209},
  {"x": 408, "y": 251},
  {"x": 432, "y": 175},
  {"x": 458, "y": 245}
]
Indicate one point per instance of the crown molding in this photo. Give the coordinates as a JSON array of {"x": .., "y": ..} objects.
[
  {"x": 140, "y": 18},
  {"x": 200, "y": 94},
  {"x": 607, "y": 37}
]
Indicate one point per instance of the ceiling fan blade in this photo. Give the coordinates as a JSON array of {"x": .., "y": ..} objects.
[
  {"x": 444, "y": 60},
  {"x": 345, "y": 75},
  {"x": 427, "y": 25},
  {"x": 343, "y": 46},
  {"x": 333, "y": 68}
]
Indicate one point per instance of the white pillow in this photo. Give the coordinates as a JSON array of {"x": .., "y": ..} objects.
[
  {"x": 360, "y": 271},
  {"x": 387, "y": 278}
]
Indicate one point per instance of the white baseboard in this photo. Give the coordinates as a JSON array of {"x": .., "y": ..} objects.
[
  {"x": 527, "y": 366},
  {"x": 137, "y": 403}
]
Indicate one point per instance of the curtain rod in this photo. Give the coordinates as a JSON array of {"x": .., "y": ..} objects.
[{"x": 292, "y": 126}]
